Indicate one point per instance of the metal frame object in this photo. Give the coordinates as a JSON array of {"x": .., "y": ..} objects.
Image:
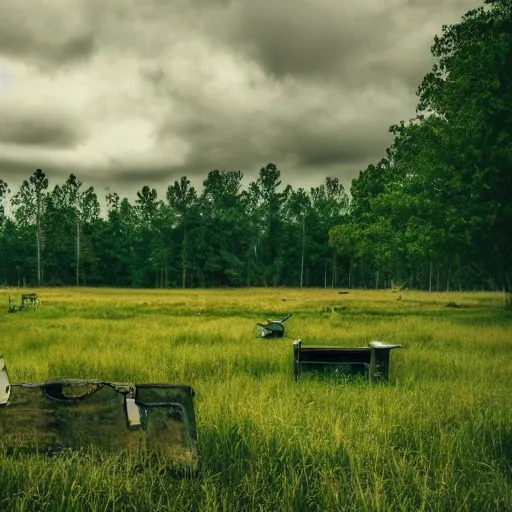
[
  {"x": 370, "y": 362},
  {"x": 28, "y": 301},
  {"x": 273, "y": 328},
  {"x": 52, "y": 416}
]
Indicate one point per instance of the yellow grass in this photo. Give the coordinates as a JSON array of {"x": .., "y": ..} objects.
[{"x": 437, "y": 437}]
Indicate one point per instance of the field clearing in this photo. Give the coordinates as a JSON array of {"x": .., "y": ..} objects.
[{"x": 437, "y": 437}]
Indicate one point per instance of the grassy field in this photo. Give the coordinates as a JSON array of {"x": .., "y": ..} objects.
[{"x": 437, "y": 437}]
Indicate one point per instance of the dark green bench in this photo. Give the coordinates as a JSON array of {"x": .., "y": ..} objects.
[{"x": 370, "y": 362}]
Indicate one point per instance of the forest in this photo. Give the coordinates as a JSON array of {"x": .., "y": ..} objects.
[{"x": 434, "y": 214}]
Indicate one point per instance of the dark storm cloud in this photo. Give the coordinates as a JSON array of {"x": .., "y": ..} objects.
[
  {"x": 42, "y": 127},
  {"x": 351, "y": 41},
  {"x": 167, "y": 89},
  {"x": 14, "y": 171},
  {"x": 141, "y": 175},
  {"x": 126, "y": 180},
  {"x": 340, "y": 49},
  {"x": 44, "y": 34},
  {"x": 309, "y": 131},
  {"x": 321, "y": 151},
  {"x": 305, "y": 38}
]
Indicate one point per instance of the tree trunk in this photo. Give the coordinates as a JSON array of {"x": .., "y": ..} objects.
[
  {"x": 184, "y": 257},
  {"x": 303, "y": 249},
  {"x": 78, "y": 251},
  {"x": 38, "y": 238},
  {"x": 333, "y": 269},
  {"x": 508, "y": 290},
  {"x": 163, "y": 274},
  {"x": 249, "y": 270},
  {"x": 430, "y": 277},
  {"x": 503, "y": 278}
]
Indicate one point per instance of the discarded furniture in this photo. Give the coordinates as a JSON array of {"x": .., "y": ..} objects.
[
  {"x": 28, "y": 301},
  {"x": 5, "y": 386},
  {"x": 369, "y": 362},
  {"x": 273, "y": 328},
  {"x": 151, "y": 419}
]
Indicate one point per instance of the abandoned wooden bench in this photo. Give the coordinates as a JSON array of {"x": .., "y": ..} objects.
[{"x": 370, "y": 362}]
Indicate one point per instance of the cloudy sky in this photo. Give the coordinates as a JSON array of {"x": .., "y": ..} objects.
[{"x": 126, "y": 93}]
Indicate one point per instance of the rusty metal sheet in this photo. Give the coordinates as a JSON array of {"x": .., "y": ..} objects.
[{"x": 150, "y": 419}]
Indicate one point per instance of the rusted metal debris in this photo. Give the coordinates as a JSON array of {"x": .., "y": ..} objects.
[
  {"x": 273, "y": 328},
  {"x": 28, "y": 301},
  {"x": 48, "y": 417}
]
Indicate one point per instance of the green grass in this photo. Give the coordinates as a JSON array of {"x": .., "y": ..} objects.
[{"x": 437, "y": 437}]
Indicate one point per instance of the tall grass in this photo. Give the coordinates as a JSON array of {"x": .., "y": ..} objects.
[{"x": 437, "y": 437}]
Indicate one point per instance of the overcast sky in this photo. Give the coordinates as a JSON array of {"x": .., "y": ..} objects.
[{"x": 126, "y": 93}]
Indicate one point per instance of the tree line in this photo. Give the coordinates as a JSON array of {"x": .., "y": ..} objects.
[
  {"x": 434, "y": 214},
  {"x": 264, "y": 235}
]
